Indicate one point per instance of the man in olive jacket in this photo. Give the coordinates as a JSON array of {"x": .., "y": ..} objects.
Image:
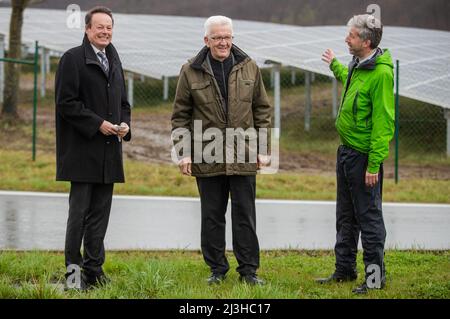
[
  {"x": 365, "y": 124},
  {"x": 223, "y": 88},
  {"x": 92, "y": 118}
]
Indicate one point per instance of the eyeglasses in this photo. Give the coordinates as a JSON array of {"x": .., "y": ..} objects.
[{"x": 227, "y": 38}]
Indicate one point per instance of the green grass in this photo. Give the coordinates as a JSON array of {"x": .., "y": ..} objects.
[
  {"x": 17, "y": 172},
  {"x": 182, "y": 274}
]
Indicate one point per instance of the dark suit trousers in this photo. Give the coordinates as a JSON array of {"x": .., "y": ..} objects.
[
  {"x": 89, "y": 208},
  {"x": 358, "y": 210},
  {"x": 214, "y": 193}
]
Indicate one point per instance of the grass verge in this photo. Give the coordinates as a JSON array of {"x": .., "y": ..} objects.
[
  {"x": 182, "y": 274},
  {"x": 18, "y": 173}
]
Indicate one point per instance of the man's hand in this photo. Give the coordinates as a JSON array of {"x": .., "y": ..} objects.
[
  {"x": 328, "y": 56},
  {"x": 263, "y": 160},
  {"x": 185, "y": 166},
  {"x": 107, "y": 128},
  {"x": 123, "y": 129},
  {"x": 371, "y": 179}
]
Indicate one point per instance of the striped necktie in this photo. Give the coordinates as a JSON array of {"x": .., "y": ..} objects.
[{"x": 104, "y": 61}]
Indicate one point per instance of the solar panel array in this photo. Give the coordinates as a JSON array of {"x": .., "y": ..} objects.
[{"x": 157, "y": 46}]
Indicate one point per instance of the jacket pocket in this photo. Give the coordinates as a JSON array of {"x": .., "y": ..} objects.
[
  {"x": 246, "y": 90},
  {"x": 366, "y": 123},
  {"x": 202, "y": 92}
]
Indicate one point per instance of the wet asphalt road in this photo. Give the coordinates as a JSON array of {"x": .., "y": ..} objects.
[{"x": 38, "y": 220}]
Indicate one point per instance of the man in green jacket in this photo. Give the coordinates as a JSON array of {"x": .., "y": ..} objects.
[
  {"x": 221, "y": 110},
  {"x": 365, "y": 123}
]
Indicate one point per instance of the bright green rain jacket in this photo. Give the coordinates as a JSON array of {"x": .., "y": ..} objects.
[{"x": 365, "y": 121}]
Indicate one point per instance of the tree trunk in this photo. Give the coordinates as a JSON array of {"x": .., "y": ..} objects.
[{"x": 12, "y": 70}]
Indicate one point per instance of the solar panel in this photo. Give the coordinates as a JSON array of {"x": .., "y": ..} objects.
[{"x": 157, "y": 46}]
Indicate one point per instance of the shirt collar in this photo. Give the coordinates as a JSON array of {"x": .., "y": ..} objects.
[
  {"x": 370, "y": 56},
  {"x": 97, "y": 50}
]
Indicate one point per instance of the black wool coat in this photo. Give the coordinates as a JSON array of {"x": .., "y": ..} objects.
[{"x": 85, "y": 97}]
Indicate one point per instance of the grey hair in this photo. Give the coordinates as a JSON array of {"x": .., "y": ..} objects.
[
  {"x": 369, "y": 28},
  {"x": 217, "y": 20}
]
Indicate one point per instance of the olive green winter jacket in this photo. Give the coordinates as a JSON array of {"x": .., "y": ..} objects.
[{"x": 198, "y": 97}]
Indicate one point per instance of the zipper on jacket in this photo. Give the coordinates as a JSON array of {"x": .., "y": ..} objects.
[
  {"x": 355, "y": 107},
  {"x": 225, "y": 84},
  {"x": 345, "y": 92},
  {"x": 221, "y": 100}
]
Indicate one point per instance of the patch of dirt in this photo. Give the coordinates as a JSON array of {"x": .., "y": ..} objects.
[{"x": 150, "y": 139}]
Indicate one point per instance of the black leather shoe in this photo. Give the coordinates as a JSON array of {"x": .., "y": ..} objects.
[
  {"x": 71, "y": 284},
  {"x": 83, "y": 286},
  {"x": 251, "y": 279},
  {"x": 337, "y": 278},
  {"x": 95, "y": 281},
  {"x": 363, "y": 288},
  {"x": 215, "y": 279}
]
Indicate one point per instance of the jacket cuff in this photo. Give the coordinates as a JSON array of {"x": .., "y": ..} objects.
[
  {"x": 91, "y": 131},
  {"x": 332, "y": 64},
  {"x": 127, "y": 137},
  {"x": 373, "y": 168}
]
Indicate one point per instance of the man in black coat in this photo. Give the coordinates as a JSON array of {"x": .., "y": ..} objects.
[{"x": 92, "y": 119}]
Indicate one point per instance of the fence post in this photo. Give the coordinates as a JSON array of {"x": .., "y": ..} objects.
[
  {"x": 272, "y": 78},
  {"x": 43, "y": 71},
  {"x": 293, "y": 76},
  {"x": 447, "y": 116},
  {"x": 277, "y": 98},
  {"x": 166, "y": 88},
  {"x": 47, "y": 61},
  {"x": 36, "y": 70},
  {"x": 2, "y": 69},
  {"x": 397, "y": 108},
  {"x": 307, "y": 101},
  {"x": 130, "y": 80}
]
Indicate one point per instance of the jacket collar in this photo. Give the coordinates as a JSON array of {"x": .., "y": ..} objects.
[
  {"x": 200, "y": 60},
  {"x": 91, "y": 57},
  {"x": 367, "y": 64}
]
